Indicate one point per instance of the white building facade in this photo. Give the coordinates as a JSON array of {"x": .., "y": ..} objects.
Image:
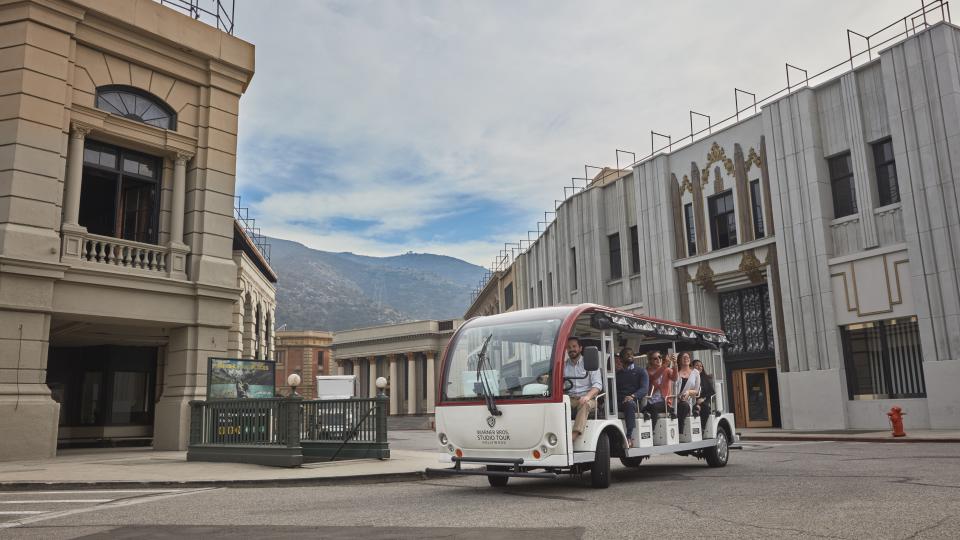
[{"x": 822, "y": 234}]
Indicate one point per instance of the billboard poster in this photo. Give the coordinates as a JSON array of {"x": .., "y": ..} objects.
[{"x": 232, "y": 378}]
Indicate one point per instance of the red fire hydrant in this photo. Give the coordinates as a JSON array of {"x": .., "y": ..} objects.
[{"x": 896, "y": 420}]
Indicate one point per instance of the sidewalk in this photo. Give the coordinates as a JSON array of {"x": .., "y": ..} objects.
[
  {"x": 124, "y": 467},
  {"x": 849, "y": 435}
]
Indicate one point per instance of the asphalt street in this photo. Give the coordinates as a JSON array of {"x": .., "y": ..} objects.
[{"x": 768, "y": 490}]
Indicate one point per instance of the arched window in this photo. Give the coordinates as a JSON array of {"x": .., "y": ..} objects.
[{"x": 135, "y": 104}]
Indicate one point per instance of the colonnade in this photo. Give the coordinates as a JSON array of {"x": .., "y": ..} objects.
[{"x": 411, "y": 377}]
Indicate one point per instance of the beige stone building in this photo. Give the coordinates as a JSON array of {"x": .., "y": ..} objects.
[
  {"x": 407, "y": 354},
  {"x": 122, "y": 267}
]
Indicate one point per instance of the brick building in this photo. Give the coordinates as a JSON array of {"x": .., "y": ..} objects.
[{"x": 306, "y": 353}]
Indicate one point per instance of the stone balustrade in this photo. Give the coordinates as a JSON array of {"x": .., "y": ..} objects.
[
  {"x": 81, "y": 248},
  {"x": 846, "y": 235},
  {"x": 889, "y": 221}
]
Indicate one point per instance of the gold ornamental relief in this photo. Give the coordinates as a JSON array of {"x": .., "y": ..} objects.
[
  {"x": 751, "y": 266},
  {"x": 717, "y": 180},
  {"x": 686, "y": 185},
  {"x": 704, "y": 277},
  {"x": 716, "y": 155},
  {"x": 753, "y": 158}
]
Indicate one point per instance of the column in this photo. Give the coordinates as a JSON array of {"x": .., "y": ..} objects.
[
  {"x": 394, "y": 385},
  {"x": 411, "y": 384},
  {"x": 179, "y": 197},
  {"x": 340, "y": 370},
  {"x": 431, "y": 383},
  {"x": 185, "y": 378},
  {"x": 74, "y": 180},
  {"x": 372, "y": 375}
]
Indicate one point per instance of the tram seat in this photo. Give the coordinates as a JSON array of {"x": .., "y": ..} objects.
[{"x": 534, "y": 389}]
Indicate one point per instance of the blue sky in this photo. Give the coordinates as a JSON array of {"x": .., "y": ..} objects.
[{"x": 450, "y": 126}]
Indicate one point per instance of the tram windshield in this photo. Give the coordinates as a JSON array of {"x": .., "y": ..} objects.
[{"x": 504, "y": 361}]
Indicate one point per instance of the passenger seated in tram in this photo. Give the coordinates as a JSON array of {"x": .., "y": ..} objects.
[
  {"x": 632, "y": 386},
  {"x": 584, "y": 388},
  {"x": 707, "y": 391},
  {"x": 661, "y": 379},
  {"x": 689, "y": 388}
]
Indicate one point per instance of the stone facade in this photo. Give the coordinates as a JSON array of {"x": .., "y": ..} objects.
[
  {"x": 842, "y": 291},
  {"x": 70, "y": 295}
]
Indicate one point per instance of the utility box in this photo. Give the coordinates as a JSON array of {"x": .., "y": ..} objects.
[
  {"x": 666, "y": 431},
  {"x": 336, "y": 386},
  {"x": 643, "y": 434},
  {"x": 691, "y": 430}
]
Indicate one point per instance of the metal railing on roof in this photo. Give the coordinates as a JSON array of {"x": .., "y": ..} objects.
[
  {"x": 928, "y": 14},
  {"x": 217, "y": 13},
  {"x": 249, "y": 226}
]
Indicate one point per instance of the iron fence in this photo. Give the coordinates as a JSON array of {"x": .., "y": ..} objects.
[{"x": 287, "y": 432}]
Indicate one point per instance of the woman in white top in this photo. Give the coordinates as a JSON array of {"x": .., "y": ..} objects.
[{"x": 688, "y": 380}]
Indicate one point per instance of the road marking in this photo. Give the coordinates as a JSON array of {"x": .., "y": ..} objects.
[
  {"x": 58, "y": 501},
  {"x": 116, "y": 503},
  {"x": 91, "y": 491}
]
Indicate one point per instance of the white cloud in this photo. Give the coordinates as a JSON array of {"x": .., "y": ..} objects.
[{"x": 500, "y": 100}]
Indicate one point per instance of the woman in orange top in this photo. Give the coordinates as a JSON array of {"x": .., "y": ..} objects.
[{"x": 661, "y": 384}]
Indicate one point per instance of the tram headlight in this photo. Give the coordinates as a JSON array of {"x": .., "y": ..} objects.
[
  {"x": 552, "y": 439},
  {"x": 450, "y": 447},
  {"x": 443, "y": 439}
]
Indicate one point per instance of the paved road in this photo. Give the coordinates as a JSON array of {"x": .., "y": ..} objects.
[{"x": 792, "y": 490}]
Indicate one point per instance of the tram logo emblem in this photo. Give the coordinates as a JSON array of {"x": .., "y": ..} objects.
[{"x": 491, "y": 421}]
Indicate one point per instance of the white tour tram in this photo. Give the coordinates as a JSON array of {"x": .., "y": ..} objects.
[{"x": 502, "y": 401}]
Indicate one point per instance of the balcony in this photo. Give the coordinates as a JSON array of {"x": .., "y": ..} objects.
[{"x": 86, "y": 250}]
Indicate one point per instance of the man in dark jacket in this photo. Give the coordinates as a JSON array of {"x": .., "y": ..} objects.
[{"x": 633, "y": 383}]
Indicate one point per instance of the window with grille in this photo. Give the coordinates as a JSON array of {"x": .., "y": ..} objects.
[
  {"x": 756, "y": 207},
  {"x": 508, "y": 296},
  {"x": 691, "y": 229},
  {"x": 841, "y": 184},
  {"x": 883, "y": 359},
  {"x": 634, "y": 250},
  {"x": 888, "y": 189},
  {"x": 723, "y": 220},
  {"x": 135, "y": 104},
  {"x": 616, "y": 267},
  {"x": 747, "y": 320}
]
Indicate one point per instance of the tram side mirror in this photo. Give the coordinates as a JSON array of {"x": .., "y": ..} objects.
[{"x": 591, "y": 358}]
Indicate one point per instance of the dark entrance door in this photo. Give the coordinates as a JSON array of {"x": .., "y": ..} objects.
[
  {"x": 751, "y": 363},
  {"x": 106, "y": 393}
]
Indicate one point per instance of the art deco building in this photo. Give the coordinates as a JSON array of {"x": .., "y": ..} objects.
[
  {"x": 820, "y": 230},
  {"x": 122, "y": 266}
]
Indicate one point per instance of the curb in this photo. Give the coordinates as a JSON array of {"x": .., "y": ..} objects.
[
  {"x": 826, "y": 438},
  {"x": 38, "y": 485}
]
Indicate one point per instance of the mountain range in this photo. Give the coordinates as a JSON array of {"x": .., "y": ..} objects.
[{"x": 322, "y": 290}]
